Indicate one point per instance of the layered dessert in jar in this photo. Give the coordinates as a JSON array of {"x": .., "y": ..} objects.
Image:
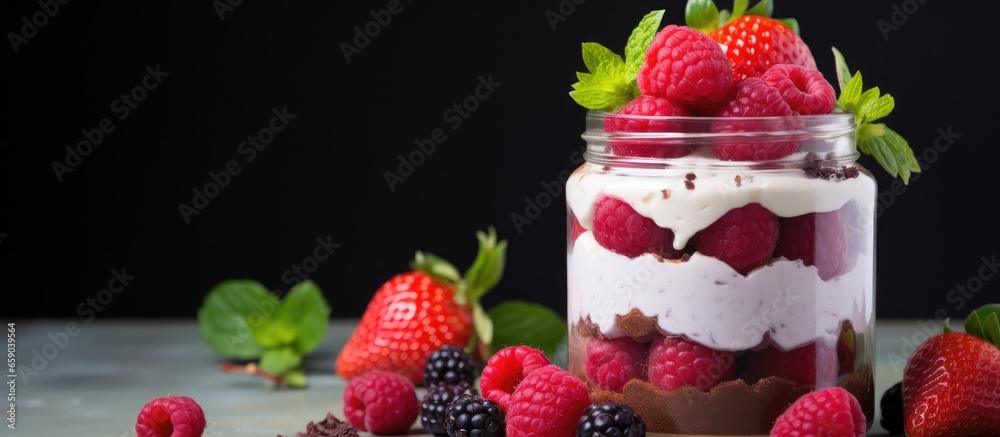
[{"x": 720, "y": 247}]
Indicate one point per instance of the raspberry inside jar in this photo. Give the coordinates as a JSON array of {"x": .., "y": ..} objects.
[{"x": 700, "y": 287}]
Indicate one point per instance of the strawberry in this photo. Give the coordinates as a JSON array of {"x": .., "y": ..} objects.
[
  {"x": 951, "y": 382},
  {"x": 416, "y": 312},
  {"x": 752, "y": 39}
]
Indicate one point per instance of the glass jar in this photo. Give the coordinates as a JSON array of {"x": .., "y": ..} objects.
[{"x": 709, "y": 294}]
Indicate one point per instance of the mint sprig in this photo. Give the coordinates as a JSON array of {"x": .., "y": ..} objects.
[
  {"x": 984, "y": 322},
  {"x": 609, "y": 82},
  {"x": 889, "y": 149},
  {"x": 240, "y": 319}
]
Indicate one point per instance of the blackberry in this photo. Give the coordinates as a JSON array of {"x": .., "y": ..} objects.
[
  {"x": 436, "y": 400},
  {"x": 610, "y": 420},
  {"x": 473, "y": 416},
  {"x": 449, "y": 364},
  {"x": 892, "y": 409}
]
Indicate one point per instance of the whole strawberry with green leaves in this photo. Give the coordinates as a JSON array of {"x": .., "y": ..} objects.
[
  {"x": 951, "y": 383},
  {"x": 753, "y": 40},
  {"x": 416, "y": 312}
]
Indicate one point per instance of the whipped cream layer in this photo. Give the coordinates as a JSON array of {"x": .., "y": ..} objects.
[
  {"x": 689, "y": 199},
  {"x": 707, "y": 301},
  {"x": 704, "y": 298}
]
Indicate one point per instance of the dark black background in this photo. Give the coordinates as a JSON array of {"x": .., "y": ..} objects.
[{"x": 323, "y": 176}]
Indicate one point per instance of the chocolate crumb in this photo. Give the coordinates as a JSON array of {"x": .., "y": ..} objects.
[
  {"x": 585, "y": 327},
  {"x": 827, "y": 168},
  {"x": 690, "y": 176},
  {"x": 606, "y": 168},
  {"x": 689, "y": 184},
  {"x": 739, "y": 181},
  {"x": 666, "y": 193},
  {"x": 638, "y": 326},
  {"x": 328, "y": 427}
]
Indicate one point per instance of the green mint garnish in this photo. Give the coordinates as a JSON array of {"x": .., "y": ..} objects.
[
  {"x": 888, "y": 148},
  {"x": 240, "y": 319},
  {"x": 984, "y": 323},
  {"x": 610, "y": 81}
]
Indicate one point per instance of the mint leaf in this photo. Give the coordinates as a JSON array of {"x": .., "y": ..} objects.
[
  {"x": 274, "y": 333},
  {"x": 518, "y": 322},
  {"x": 877, "y": 108},
  {"x": 850, "y": 97},
  {"x": 306, "y": 311},
  {"x": 594, "y": 55},
  {"x": 294, "y": 378},
  {"x": 609, "y": 82},
  {"x": 279, "y": 361},
  {"x": 602, "y": 99},
  {"x": 888, "y": 148},
  {"x": 639, "y": 41},
  {"x": 223, "y": 317},
  {"x": 843, "y": 72}
]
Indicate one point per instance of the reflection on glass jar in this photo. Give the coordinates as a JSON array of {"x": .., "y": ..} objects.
[{"x": 709, "y": 293}]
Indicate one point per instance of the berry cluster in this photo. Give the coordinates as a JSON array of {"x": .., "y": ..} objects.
[
  {"x": 539, "y": 398},
  {"x": 686, "y": 72}
]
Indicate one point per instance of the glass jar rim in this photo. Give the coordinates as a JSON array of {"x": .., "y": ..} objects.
[
  {"x": 830, "y": 136},
  {"x": 717, "y": 130}
]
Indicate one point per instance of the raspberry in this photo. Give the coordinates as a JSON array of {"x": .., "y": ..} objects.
[
  {"x": 610, "y": 419},
  {"x": 622, "y": 230},
  {"x": 805, "y": 90},
  {"x": 818, "y": 239},
  {"x": 548, "y": 402},
  {"x": 471, "y": 415},
  {"x": 435, "y": 402},
  {"x": 170, "y": 416},
  {"x": 811, "y": 364},
  {"x": 505, "y": 370},
  {"x": 744, "y": 237},
  {"x": 612, "y": 363},
  {"x": 640, "y": 112},
  {"x": 891, "y": 406},
  {"x": 684, "y": 65},
  {"x": 831, "y": 412},
  {"x": 381, "y": 402},
  {"x": 675, "y": 362},
  {"x": 751, "y": 97},
  {"x": 451, "y": 364}
]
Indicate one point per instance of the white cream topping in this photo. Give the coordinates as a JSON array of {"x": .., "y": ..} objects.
[{"x": 664, "y": 194}]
